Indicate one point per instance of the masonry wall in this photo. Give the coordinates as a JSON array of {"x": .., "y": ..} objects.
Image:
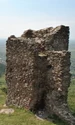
[
  {"x": 20, "y": 72},
  {"x": 25, "y": 67},
  {"x": 58, "y": 81},
  {"x": 37, "y": 73}
]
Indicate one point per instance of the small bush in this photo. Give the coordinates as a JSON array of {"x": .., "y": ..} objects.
[{"x": 4, "y": 89}]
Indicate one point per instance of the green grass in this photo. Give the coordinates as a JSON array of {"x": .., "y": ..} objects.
[
  {"x": 25, "y": 117},
  {"x": 21, "y": 117},
  {"x": 2, "y": 94},
  {"x": 71, "y": 96},
  {"x": 2, "y": 80}
]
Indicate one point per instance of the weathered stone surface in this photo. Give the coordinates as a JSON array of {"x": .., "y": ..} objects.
[
  {"x": 7, "y": 111},
  {"x": 37, "y": 73}
]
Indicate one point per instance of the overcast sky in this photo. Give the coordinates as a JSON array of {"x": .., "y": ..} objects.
[{"x": 16, "y": 16}]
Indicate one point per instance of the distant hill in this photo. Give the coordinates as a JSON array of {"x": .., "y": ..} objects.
[
  {"x": 2, "y": 56},
  {"x": 2, "y": 69},
  {"x": 72, "y": 45},
  {"x": 72, "y": 50},
  {"x": 2, "y": 50}
]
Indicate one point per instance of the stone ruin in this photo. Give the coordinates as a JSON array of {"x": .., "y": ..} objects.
[{"x": 38, "y": 71}]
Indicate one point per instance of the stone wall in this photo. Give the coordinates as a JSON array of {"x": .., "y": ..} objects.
[{"x": 37, "y": 73}]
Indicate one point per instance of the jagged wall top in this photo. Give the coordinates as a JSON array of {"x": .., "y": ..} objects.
[
  {"x": 44, "y": 32},
  {"x": 50, "y": 38}
]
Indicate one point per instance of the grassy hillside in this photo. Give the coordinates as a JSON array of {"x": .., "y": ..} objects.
[
  {"x": 71, "y": 96},
  {"x": 3, "y": 49},
  {"x": 72, "y": 50}
]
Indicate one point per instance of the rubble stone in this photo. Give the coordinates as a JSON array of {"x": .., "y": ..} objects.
[{"x": 38, "y": 71}]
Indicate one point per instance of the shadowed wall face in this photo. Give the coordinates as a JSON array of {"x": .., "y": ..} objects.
[
  {"x": 58, "y": 79},
  {"x": 37, "y": 73}
]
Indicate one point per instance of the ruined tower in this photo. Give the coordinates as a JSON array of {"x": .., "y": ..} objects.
[{"x": 38, "y": 71}]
